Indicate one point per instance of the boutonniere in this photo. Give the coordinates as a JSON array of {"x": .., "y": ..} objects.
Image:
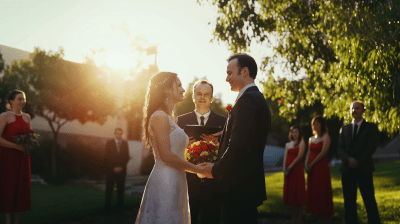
[{"x": 229, "y": 108}]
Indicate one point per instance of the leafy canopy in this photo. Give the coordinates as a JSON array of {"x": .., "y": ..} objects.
[
  {"x": 60, "y": 90},
  {"x": 347, "y": 49}
]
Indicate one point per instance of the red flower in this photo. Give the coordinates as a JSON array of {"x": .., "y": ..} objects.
[
  {"x": 202, "y": 143},
  {"x": 196, "y": 155},
  {"x": 189, "y": 150},
  {"x": 204, "y": 147},
  {"x": 197, "y": 162},
  {"x": 212, "y": 147},
  {"x": 204, "y": 159},
  {"x": 229, "y": 107},
  {"x": 197, "y": 149}
]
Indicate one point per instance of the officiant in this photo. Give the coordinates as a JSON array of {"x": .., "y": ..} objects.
[{"x": 201, "y": 199}]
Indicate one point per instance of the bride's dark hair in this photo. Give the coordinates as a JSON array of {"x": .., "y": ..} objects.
[{"x": 155, "y": 99}]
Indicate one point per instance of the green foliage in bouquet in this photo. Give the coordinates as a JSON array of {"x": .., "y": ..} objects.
[{"x": 27, "y": 140}]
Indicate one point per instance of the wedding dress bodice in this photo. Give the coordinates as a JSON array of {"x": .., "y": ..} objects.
[
  {"x": 165, "y": 199},
  {"x": 178, "y": 139}
]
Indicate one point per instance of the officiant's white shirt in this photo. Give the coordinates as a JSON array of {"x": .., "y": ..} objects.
[
  {"x": 206, "y": 116},
  {"x": 244, "y": 89}
]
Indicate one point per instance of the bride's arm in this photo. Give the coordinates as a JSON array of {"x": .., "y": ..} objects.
[{"x": 160, "y": 126}]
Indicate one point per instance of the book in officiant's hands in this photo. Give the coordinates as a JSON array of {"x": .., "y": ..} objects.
[{"x": 196, "y": 131}]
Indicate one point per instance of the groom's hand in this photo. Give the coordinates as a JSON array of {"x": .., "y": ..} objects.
[{"x": 207, "y": 170}]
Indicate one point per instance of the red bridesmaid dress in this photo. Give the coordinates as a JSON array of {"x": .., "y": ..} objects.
[
  {"x": 294, "y": 187},
  {"x": 319, "y": 188},
  {"x": 15, "y": 171}
]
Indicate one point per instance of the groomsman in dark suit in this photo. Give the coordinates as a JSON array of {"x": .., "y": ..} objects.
[
  {"x": 357, "y": 143},
  {"x": 201, "y": 194},
  {"x": 239, "y": 171},
  {"x": 116, "y": 158}
]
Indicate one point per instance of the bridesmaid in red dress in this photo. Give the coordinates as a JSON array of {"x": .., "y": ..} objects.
[
  {"x": 15, "y": 167},
  {"x": 319, "y": 188},
  {"x": 294, "y": 188}
]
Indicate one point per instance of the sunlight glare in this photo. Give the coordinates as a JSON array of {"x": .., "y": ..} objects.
[{"x": 119, "y": 59}]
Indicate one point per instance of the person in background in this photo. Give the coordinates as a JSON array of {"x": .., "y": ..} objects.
[
  {"x": 294, "y": 187},
  {"x": 357, "y": 143},
  {"x": 15, "y": 167},
  {"x": 116, "y": 158},
  {"x": 319, "y": 187}
]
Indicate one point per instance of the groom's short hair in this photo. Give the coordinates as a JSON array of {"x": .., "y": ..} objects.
[
  {"x": 245, "y": 60},
  {"x": 203, "y": 81}
]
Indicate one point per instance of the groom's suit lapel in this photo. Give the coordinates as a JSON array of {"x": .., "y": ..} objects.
[{"x": 228, "y": 124}]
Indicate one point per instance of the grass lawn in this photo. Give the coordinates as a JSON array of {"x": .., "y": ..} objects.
[
  {"x": 387, "y": 194},
  {"x": 55, "y": 204}
]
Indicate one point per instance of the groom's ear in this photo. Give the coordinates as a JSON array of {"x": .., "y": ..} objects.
[{"x": 245, "y": 72}]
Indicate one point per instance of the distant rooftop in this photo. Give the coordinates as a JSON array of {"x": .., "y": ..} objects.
[{"x": 11, "y": 54}]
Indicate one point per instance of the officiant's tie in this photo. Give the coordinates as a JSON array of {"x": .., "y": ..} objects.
[{"x": 202, "y": 120}]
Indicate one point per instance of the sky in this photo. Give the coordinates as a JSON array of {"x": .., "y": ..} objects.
[{"x": 179, "y": 29}]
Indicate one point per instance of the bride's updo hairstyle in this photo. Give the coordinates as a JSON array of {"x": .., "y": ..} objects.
[{"x": 156, "y": 98}]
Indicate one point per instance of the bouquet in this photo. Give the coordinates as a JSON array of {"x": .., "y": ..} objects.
[
  {"x": 201, "y": 151},
  {"x": 28, "y": 140}
]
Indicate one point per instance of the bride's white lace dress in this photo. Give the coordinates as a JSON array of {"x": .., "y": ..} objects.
[{"x": 165, "y": 198}]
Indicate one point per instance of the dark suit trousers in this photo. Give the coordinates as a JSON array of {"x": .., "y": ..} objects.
[
  {"x": 202, "y": 201},
  {"x": 111, "y": 179},
  {"x": 239, "y": 214},
  {"x": 350, "y": 180}
]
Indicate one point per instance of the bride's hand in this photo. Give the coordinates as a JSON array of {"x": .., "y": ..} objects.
[{"x": 206, "y": 170}]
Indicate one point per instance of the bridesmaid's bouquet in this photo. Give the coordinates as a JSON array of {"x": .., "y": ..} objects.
[
  {"x": 201, "y": 151},
  {"x": 28, "y": 140}
]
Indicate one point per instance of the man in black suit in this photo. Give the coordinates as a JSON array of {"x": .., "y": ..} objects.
[
  {"x": 239, "y": 171},
  {"x": 116, "y": 158},
  {"x": 201, "y": 199},
  {"x": 357, "y": 143}
]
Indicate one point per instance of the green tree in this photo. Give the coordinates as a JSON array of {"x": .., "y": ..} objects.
[
  {"x": 61, "y": 91},
  {"x": 188, "y": 105},
  {"x": 347, "y": 49}
]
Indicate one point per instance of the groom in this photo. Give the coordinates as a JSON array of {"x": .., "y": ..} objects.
[{"x": 239, "y": 172}]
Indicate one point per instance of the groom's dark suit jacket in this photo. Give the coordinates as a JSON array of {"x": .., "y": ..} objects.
[
  {"x": 361, "y": 148},
  {"x": 239, "y": 171},
  {"x": 216, "y": 120}
]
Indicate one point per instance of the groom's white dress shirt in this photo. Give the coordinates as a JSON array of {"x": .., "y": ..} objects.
[{"x": 243, "y": 90}]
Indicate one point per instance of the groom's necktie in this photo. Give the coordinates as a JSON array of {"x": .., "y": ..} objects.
[{"x": 202, "y": 120}]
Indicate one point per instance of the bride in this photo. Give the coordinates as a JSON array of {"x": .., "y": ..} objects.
[{"x": 165, "y": 199}]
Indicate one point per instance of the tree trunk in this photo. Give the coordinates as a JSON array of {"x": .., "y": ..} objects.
[{"x": 53, "y": 155}]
